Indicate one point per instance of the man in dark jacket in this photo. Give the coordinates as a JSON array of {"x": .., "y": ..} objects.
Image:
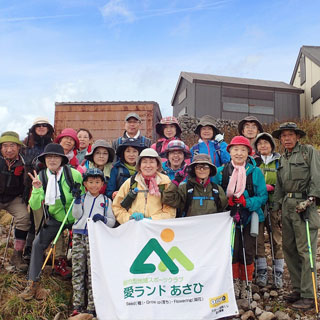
[
  {"x": 132, "y": 130},
  {"x": 12, "y": 187}
]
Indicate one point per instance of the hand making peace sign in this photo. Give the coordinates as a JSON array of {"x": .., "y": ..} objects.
[{"x": 35, "y": 180}]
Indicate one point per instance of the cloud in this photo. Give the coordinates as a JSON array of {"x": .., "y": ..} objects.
[
  {"x": 19, "y": 19},
  {"x": 116, "y": 8}
]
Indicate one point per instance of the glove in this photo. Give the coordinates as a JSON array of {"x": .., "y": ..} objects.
[
  {"x": 219, "y": 137},
  {"x": 76, "y": 191},
  {"x": 179, "y": 177},
  {"x": 99, "y": 217},
  {"x": 230, "y": 202},
  {"x": 136, "y": 216},
  {"x": 241, "y": 200},
  {"x": 270, "y": 188}
]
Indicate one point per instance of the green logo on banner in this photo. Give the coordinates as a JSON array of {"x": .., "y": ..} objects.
[{"x": 139, "y": 266}]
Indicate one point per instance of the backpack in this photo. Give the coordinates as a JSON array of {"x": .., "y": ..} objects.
[
  {"x": 121, "y": 140},
  {"x": 226, "y": 173},
  {"x": 121, "y": 175},
  {"x": 196, "y": 150},
  {"x": 159, "y": 146},
  {"x": 69, "y": 179},
  {"x": 190, "y": 197}
]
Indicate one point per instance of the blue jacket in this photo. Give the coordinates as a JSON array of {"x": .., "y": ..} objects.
[
  {"x": 259, "y": 187},
  {"x": 170, "y": 172},
  {"x": 217, "y": 151},
  {"x": 119, "y": 174}
]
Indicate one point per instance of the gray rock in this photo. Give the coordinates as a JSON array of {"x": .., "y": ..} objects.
[
  {"x": 254, "y": 304},
  {"x": 266, "y": 295},
  {"x": 243, "y": 304},
  {"x": 273, "y": 293},
  {"x": 282, "y": 315},
  {"x": 267, "y": 316},
  {"x": 258, "y": 311},
  {"x": 256, "y": 297},
  {"x": 248, "y": 315}
]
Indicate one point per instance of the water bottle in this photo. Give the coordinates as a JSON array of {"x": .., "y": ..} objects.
[
  {"x": 254, "y": 228},
  {"x": 130, "y": 197}
]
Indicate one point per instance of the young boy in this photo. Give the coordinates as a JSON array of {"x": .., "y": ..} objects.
[{"x": 98, "y": 207}]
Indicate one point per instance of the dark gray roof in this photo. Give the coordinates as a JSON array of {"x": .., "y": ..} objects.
[
  {"x": 107, "y": 102},
  {"x": 312, "y": 52},
  {"x": 201, "y": 77}
]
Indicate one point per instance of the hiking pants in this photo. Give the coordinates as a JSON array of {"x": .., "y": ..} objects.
[
  {"x": 276, "y": 237},
  {"x": 18, "y": 209},
  {"x": 249, "y": 247},
  {"x": 295, "y": 246},
  {"x": 40, "y": 244},
  {"x": 80, "y": 269}
]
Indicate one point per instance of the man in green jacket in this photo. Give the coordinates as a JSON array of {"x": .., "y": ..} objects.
[
  {"x": 57, "y": 196},
  {"x": 297, "y": 180}
]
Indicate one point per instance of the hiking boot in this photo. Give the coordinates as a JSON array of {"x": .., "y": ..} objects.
[
  {"x": 292, "y": 296},
  {"x": 17, "y": 261},
  {"x": 30, "y": 291},
  {"x": 277, "y": 280},
  {"x": 262, "y": 277},
  {"x": 303, "y": 304},
  {"x": 27, "y": 253},
  {"x": 246, "y": 292},
  {"x": 236, "y": 286},
  {"x": 61, "y": 269}
]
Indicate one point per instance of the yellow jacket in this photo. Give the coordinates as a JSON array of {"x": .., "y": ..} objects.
[{"x": 148, "y": 205}]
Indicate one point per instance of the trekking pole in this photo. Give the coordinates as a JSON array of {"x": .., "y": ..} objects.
[
  {"x": 311, "y": 265},
  {"x": 233, "y": 232},
  {"x": 58, "y": 235},
  {"x": 7, "y": 243},
  {"x": 271, "y": 243},
  {"x": 245, "y": 264}
]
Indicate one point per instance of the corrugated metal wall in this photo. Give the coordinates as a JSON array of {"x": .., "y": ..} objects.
[
  {"x": 235, "y": 102},
  {"x": 188, "y": 103},
  {"x": 105, "y": 121}
]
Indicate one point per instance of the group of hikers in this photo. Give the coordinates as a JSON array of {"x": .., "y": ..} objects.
[{"x": 44, "y": 178}]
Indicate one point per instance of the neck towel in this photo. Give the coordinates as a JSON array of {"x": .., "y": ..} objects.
[
  {"x": 237, "y": 183},
  {"x": 52, "y": 191}
]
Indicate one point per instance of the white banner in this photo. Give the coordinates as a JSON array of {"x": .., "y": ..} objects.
[{"x": 163, "y": 269}]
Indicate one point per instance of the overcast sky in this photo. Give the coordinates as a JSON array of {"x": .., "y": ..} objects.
[{"x": 117, "y": 50}]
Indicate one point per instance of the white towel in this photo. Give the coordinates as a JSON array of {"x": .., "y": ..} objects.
[{"x": 53, "y": 191}]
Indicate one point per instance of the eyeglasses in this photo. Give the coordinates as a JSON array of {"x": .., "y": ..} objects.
[
  {"x": 43, "y": 125},
  {"x": 202, "y": 167}
]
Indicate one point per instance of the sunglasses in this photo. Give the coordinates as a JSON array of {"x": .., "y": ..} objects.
[{"x": 43, "y": 125}]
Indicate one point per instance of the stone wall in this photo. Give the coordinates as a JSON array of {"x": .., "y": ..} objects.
[{"x": 188, "y": 125}]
